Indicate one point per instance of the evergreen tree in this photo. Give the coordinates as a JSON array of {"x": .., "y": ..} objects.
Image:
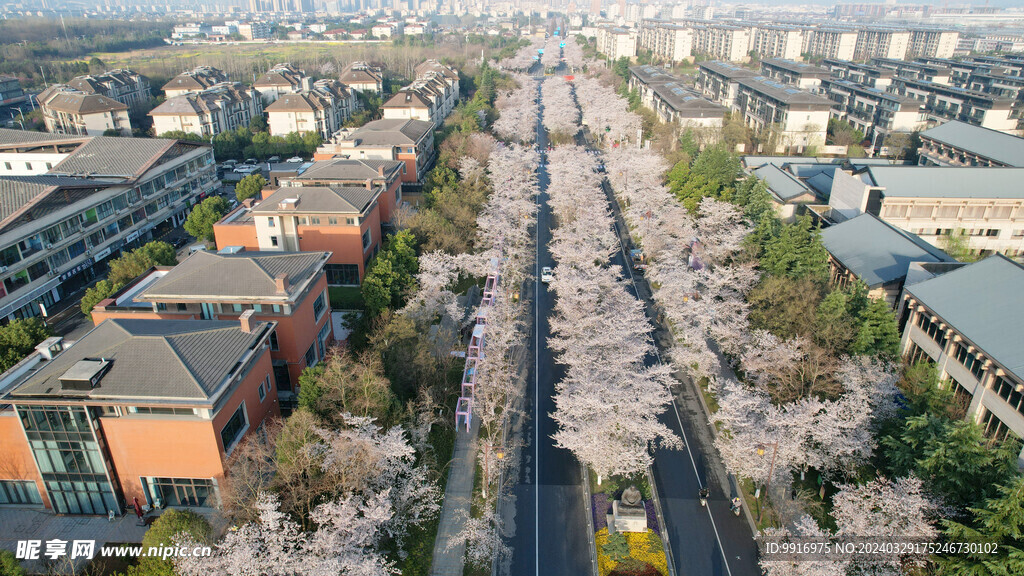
[
  {"x": 833, "y": 328},
  {"x": 797, "y": 251},
  {"x": 877, "y": 334},
  {"x": 1000, "y": 521}
]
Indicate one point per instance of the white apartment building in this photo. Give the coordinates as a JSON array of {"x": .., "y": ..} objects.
[
  {"x": 665, "y": 40},
  {"x": 881, "y": 43},
  {"x": 125, "y": 86},
  {"x": 616, "y": 43},
  {"x": 281, "y": 79},
  {"x": 322, "y": 109},
  {"x": 194, "y": 80},
  {"x": 69, "y": 111},
  {"x": 784, "y": 42},
  {"x": 838, "y": 43},
  {"x": 932, "y": 43},
  {"x": 804, "y": 76},
  {"x": 100, "y": 197},
  {"x": 217, "y": 109},
  {"x": 362, "y": 77},
  {"x": 798, "y": 117},
  {"x": 723, "y": 42}
]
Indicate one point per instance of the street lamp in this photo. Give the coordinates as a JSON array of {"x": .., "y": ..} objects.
[
  {"x": 499, "y": 453},
  {"x": 771, "y": 470}
]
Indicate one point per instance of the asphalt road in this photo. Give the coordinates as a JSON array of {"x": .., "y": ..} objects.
[{"x": 550, "y": 510}]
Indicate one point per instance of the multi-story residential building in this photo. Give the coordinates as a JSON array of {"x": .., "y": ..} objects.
[
  {"x": 411, "y": 103},
  {"x": 11, "y": 91},
  {"x": 877, "y": 253},
  {"x": 341, "y": 172},
  {"x": 787, "y": 191},
  {"x": 876, "y": 113},
  {"x": 68, "y": 111},
  {"x": 719, "y": 81},
  {"x": 99, "y": 196},
  {"x": 974, "y": 342},
  {"x": 125, "y": 86},
  {"x": 408, "y": 141},
  {"x": 254, "y": 30},
  {"x": 932, "y": 43},
  {"x": 323, "y": 109},
  {"x": 666, "y": 40},
  {"x": 431, "y": 97},
  {"x": 960, "y": 144},
  {"x": 836, "y": 43},
  {"x": 191, "y": 30},
  {"x": 863, "y": 74},
  {"x": 942, "y": 103},
  {"x": 616, "y": 43},
  {"x": 987, "y": 203},
  {"x": 881, "y": 43},
  {"x": 784, "y": 42},
  {"x": 804, "y": 76},
  {"x": 724, "y": 42},
  {"x": 344, "y": 220},
  {"x": 281, "y": 79},
  {"x": 195, "y": 80},
  {"x": 362, "y": 77},
  {"x": 672, "y": 100},
  {"x": 146, "y": 409},
  {"x": 288, "y": 289},
  {"x": 798, "y": 118},
  {"x": 386, "y": 29},
  {"x": 916, "y": 70},
  {"x": 219, "y": 108}
]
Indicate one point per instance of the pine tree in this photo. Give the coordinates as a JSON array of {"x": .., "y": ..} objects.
[
  {"x": 877, "y": 334},
  {"x": 1001, "y": 522}
]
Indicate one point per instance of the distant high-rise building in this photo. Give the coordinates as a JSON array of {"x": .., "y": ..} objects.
[{"x": 595, "y": 7}]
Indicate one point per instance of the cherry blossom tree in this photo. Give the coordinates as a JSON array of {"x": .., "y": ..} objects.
[
  {"x": 605, "y": 112},
  {"x": 804, "y": 530},
  {"x": 561, "y": 115},
  {"x": 518, "y": 112},
  {"x": 523, "y": 59}
]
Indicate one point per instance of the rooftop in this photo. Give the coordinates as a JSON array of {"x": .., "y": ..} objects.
[
  {"x": 344, "y": 169},
  {"x": 248, "y": 275},
  {"x": 946, "y": 182},
  {"x": 108, "y": 156},
  {"x": 992, "y": 316},
  {"x": 728, "y": 70},
  {"x": 875, "y": 251},
  {"x": 785, "y": 93},
  {"x": 781, "y": 183},
  {"x": 390, "y": 132},
  {"x": 321, "y": 199},
  {"x": 800, "y": 68},
  {"x": 991, "y": 144},
  {"x": 176, "y": 361}
]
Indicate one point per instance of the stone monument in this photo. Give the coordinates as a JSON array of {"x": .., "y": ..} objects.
[{"x": 628, "y": 513}]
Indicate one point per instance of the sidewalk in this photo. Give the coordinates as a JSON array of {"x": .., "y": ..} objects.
[{"x": 458, "y": 495}]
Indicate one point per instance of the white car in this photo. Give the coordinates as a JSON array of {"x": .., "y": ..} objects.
[
  {"x": 295, "y": 159},
  {"x": 547, "y": 275},
  {"x": 246, "y": 169}
]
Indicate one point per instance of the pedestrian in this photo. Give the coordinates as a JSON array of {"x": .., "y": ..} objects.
[
  {"x": 735, "y": 506},
  {"x": 138, "y": 511}
]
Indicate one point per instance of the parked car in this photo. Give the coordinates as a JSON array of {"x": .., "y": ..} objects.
[
  {"x": 180, "y": 242},
  {"x": 230, "y": 162},
  {"x": 295, "y": 159},
  {"x": 547, "y": 275},
  {"x": 250, "y": 161},
  {"x": 273, "y": 159},
  {"x": 247, "y": 169}
]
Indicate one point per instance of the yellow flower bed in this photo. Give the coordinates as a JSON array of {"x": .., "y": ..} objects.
[{"x": 643, "y": 546}]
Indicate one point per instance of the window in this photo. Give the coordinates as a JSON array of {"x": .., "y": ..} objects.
[
  {"x": 179, "y": 491},
  {"x": 311, "y": 356},
  {"x": 234, "y": 429},
  {"x": 969, "y": 361},
  {"x": 319, "y": 305},
  {"x": 182, "y": 307},
  {"x": 342, "y": 274},
  {"x": 932, "y": 330},
  {"x": 274, "y": 344},
  {"x": 162, "y": 411},
  {"x": 332, "y": 221},
  {"x": 921, "y": 212},
  {"x": 321, "y": 339},
  {"x": 366, "y": 240},
  {"x": 276, "y": 308},
  {"x": 974, "y": 213},
  {"x": 898, "y": 211},
  {"x": 273, "y": 240},
  {"x": 314, "y": 219},
  {"x": 7, "y": 165},
  {"x": 262, "y": 392},
  {"x": 19, "y": 492},
  {"x": 266, "y": 383},
  {"x": 1000, "y": 213},
  {"x": 270, "y": 222},
  {"x": 350, "y": 221}
]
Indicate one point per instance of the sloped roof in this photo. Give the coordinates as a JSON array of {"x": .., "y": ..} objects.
[
  {"x": 991, "y": 144},
  {"x": 321, "y": 199},
  {"x": 348, "y": 169},
  {"x": 241, "y": 275},
  {"x": 280, "y": 75},
  {"x": 982, "y": 302},
  {"x": 407, "y": 97},
  {"x": 78, "y": 103},
  {"x": 117, "y": 157},
  {"x": 198, "y": 78},
  {"x": 947, "y": 182},
  {"x": 10, "y": 136},
  {"x": 171, "y": 360},
  {"x": 875, "y": 251},
  {"x": 781, "y": 183},
  {"x": 392, "y": 131},
  {"x": 293, "y": 103}
]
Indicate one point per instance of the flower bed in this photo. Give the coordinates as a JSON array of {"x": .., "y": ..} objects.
[
  {"x": 600, "y": 507},
  {"x": 646, "y": 555}
]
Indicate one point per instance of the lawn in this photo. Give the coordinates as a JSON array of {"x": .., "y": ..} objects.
[{"x": 346, "y": 297}]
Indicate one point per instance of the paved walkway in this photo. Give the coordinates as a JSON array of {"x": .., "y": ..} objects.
[
  {"x": 36, "y": 524},
  {"x": 458, "y": 495}
]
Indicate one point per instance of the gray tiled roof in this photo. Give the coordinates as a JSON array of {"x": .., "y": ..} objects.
[
  {"x": 781, "y": 183},
  {"x": 322, "y": 199},
  {"x": 875, "y": 251},
  {"x": 801, "y": 68},
  {"x": 390, "y": 132},
  {"x": 949, "y": 182},
  {"x": 9, "y": 136},
  {"x": 112, "y": 156},
  {"x": 346, "y": 169},
  {"x": 991, "y": 144},
  {"x": 242, "y": 275},
  {"x": 152, "y": 360},
  {"x": 982, "y": 302},
  {"x": 16, "y": 192}
]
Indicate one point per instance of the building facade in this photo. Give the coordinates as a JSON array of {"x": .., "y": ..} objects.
[
  {"x": 960, "y": 144},
  {"x": 68, "y": 111},
  {"x": 219, "y": 108},
  {"x": 281, "y": 79},
  {"x": 125, "y": 86},
  {"x": 323, "y": 109},
  {"x": 408, "y": 141},
  {"x": 195, "y": 80}
]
